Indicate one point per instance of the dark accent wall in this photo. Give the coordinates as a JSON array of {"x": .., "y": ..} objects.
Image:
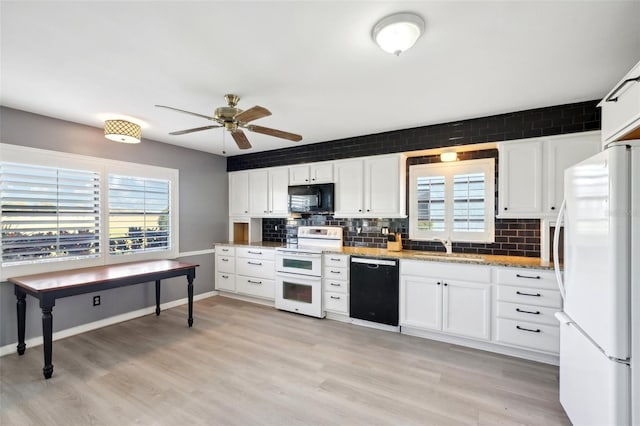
[{"x": 553, "y": 120}]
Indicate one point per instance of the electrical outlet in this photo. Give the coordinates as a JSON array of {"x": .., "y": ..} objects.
[{"x": 96, "y": 300}]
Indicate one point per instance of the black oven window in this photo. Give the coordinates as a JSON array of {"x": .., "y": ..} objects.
[
  {"x": 297, "y": 292},
  {"x": 297, "y": 264}
]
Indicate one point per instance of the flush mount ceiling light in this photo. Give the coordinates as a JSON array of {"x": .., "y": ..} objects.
[
  {"x": 398, "y": 32},
  {"x": 122, "y": 131}
]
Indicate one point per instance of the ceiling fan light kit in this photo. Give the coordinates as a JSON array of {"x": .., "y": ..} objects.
[
  {"x": 122, "y": 131},
  {"x": 234, "y": 119},
  {"x": 398, "y": 32}
]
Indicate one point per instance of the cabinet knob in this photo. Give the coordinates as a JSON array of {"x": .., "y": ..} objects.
[
  {"x": 359, "y": 210},
  {"x": 313, "y": 179},
  {"x": 368, "y": 210},
  {"x": 445, "y": 284},
  {"x": 306, "y": 180},
  {"x": 553, "y": 208},
  {"x": 438, "y": 283},
  {"x": 505, "y": 208}
]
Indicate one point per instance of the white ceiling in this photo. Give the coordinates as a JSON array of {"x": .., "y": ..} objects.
[{"x": 312, "y": 63}]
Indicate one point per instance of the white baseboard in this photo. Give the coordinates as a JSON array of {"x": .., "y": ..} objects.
[
  {"x": 248, "y": 298},
  {"x": 83, "y": 328}
]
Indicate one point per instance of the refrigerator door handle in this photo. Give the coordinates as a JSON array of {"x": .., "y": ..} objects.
[{"x": 556, "y": 242}]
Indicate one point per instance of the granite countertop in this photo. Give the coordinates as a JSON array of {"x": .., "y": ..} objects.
[{"x": 433, "y": 256}]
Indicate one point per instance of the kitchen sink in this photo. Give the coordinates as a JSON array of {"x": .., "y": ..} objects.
[{"x": 457, "y": 258}]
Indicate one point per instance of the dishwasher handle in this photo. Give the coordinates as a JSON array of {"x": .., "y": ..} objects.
[{"x": 371, "y": 262}]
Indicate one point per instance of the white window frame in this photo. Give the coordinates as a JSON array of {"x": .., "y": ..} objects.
[
  {"x": 36, "y": 156},
  {"x": 449, "y": 170}
]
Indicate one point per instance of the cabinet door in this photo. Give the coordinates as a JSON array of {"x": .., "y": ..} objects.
[
  {"x": 278, "y": 192},
  {"x": 299, "y": 175},
  {"x": 238, "y": 194},
  {"x": 466, "y": 309},
  {"x": 321, "y": 173},
  {"x": 225, "y": 281},
  {"x": 621, "y": 117},
  {"x": 421, "y": 302},
  {"x": 520, "y": 179},
  {"x": 258, "y": 193},
  {"x": 349, "y": 188},
  {"x": 382, "y": 186},
  {"x": 562, "y": 153}
]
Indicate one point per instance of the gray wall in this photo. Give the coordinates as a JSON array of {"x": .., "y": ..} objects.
[{"x": 203, "y": 217}]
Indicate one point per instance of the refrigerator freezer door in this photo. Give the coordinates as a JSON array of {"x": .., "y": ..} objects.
[
  {"x": 594, "y": 390},
  {"x": 597, "y": 252}
]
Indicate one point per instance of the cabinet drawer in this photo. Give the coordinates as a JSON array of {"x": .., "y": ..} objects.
[
  {"x": 529, "y": 296},
  {"x": 258, "y": 287},
  {"x": 527, "y": 277},
  {"x": 225, "y": 282},
  {"x": 336, "y": 286},
  {"x": 336, "y": 260},
  {"x": 336, "y": 302},
  {"x": 531, "y": 313},
  {"x": 450, "y": 271},
  {"x": 331, "y": 272},
  {"x": 535, "y": 336},
  {"x": 226, "y": 250},
  {"x": 256, "y": 253},
  {"x": 256, "y": 268},
  {"x": 225, "y": 264}
]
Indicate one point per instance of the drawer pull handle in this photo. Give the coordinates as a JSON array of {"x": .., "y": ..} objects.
[
  {"x": 334, "y": 259},
  {"x": 335, "y": 272},
  {"x": 537, "y": 277},
  {"x": 528, "y": 312},
  {"x": 335, "y": 297},
  {"x": 254, "y": 282},
  {"x": 254, "y": 252},
  {"x": 225, "y": 276},
  {"x": 224, "y": 249},
  {"x": 334, "y": 284},
  {"x": 528, "y": 294},
  {"x": 255, "y": 263},
  {"x": 537, "y": 330},
  {"x": 224, "y": 260},
  {"x": 613, "y": 97}
]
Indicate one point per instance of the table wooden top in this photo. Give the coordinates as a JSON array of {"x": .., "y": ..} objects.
[{"x": 49, "y": 281}]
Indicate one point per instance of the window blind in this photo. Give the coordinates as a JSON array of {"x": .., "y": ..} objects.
[
  {"x": 139, "y": 214},
  {"x": 48, "y": 213}
]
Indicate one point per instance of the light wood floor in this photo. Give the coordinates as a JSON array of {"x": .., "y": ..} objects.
[{"x": 245, "y": 364}]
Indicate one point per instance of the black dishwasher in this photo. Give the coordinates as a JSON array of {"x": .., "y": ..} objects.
[{"x": 374, "y": 294}]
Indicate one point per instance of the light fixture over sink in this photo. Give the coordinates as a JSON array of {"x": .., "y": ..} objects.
[{"x": 398, "y": 32}]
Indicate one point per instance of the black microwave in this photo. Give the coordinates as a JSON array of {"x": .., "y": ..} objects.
[{"x": 315, "y": 199}]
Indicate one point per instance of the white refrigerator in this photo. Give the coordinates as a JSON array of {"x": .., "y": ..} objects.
[{"x": 600, "y": 322}]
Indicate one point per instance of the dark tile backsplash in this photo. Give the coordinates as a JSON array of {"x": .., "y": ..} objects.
[
  {"x": 513, "y": 237},
  {"x": 554, "y": 120}
]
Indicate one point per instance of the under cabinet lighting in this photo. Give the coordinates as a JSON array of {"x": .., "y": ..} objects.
[{"x": 448, "y": 156}]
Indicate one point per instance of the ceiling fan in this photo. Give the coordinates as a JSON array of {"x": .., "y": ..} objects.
[{"x": 234, "y": 120}]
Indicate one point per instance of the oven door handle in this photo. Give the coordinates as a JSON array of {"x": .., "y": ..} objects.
[{"x": 297, "y": 253}]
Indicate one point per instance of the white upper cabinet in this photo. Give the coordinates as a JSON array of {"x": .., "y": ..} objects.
[
  {"x": 370, "y": 187},
  {"x": 239, "y": 194},
  {"x": 520, "y": 179},
  {"x": 561, "y": 153},
  {"x": 268, "y": 192},
  {"x": 621, "y": 109},
  {"x": 311, "y": 173},
  {"x": 531, "y": 172}
]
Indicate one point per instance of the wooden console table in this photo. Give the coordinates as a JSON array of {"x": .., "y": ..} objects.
[{"x": 48, "y": 287}]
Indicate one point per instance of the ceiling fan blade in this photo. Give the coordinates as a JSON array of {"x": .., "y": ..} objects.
[
  {"x": 186, "y": 112},
  {"x": 196, "y": 129},
  {"x": 241, "y": 139},
  {"x": 252, "y": 114},
  {"x": 275, "y": 132}
]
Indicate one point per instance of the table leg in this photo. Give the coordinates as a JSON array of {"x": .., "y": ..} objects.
[
  {"x": 190, "y": 276},
  {"x": 22, "y": 315},
  {"x": 47, "y": 337},
  {"x": 157, "y": 297}
]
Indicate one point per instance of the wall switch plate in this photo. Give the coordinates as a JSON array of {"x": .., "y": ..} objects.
[{"x": 96, "y": 300}]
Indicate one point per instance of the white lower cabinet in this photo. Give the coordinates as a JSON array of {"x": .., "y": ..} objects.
[
  {"x": 335, "y": 283},
  {"x": 445, "y": 302},
  {"x": 525, "y": 304},
  {"x": 246, "y": 270},
  {"x": 225, "y": 265}
]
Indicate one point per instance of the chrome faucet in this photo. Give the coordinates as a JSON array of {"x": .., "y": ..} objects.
[{"x": 446, "y": 244}]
